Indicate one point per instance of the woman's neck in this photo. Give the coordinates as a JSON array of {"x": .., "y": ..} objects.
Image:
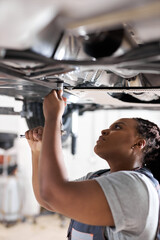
[{"x": 121, "y": 166}]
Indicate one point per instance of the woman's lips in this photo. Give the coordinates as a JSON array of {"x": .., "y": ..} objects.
[{"x": 100, "y": 139}]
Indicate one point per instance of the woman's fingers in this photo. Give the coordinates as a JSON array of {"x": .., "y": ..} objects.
[
  {"x": 59, "y": 94},
  {"x": 34, "y": 134},
  {"x": 31, "y": 135},
  {"x": 40, "y": 130},
  {"x": 37, "y": 133},
  {"x": 27, "y": 134}
]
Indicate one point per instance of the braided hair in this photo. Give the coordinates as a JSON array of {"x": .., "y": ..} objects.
[{"x": 151, "y": 152}]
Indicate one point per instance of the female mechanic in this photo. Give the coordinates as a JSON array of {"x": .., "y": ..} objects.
[{"x": 118, "y": 204}]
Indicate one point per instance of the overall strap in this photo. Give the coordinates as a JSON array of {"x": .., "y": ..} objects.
[
  {"x": 77, "y": 229},
  {"x": 99, "y": 173},
  {"x": 146, "y": 172}
]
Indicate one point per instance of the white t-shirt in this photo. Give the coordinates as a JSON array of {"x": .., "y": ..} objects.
[{"x": 134, "y": 204}]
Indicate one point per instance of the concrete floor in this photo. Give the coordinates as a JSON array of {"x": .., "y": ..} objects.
[{"x": 48, "y": 227}]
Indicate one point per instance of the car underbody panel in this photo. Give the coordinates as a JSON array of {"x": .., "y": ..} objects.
[{"x": 107, "y": 55}]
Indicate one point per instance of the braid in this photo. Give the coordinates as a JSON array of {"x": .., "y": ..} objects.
[{"x": 151, "y": 153}]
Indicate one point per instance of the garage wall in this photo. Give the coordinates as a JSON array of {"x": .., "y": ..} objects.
[{"x": 16, "y": 124}]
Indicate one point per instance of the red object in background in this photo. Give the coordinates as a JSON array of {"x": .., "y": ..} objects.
[{"x": 2, "y": 159}]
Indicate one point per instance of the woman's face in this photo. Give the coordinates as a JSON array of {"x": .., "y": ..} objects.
[{"x": 117, "y": 140}]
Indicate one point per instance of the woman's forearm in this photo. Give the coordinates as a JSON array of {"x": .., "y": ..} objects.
[
  {"x": 35, "y": 180},
  {"x": 52, "y": 173}
]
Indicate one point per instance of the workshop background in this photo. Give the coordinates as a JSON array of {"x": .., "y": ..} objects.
[{"x": 20, "y": 214}]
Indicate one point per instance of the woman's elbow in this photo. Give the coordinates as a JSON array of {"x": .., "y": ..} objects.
[
  {"x": 45, "y": 193},
  {"x": 48, "y": 195},
  {"x": 52, "y": 197}
]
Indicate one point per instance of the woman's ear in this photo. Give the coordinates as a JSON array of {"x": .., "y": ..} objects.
[{"x": 141, "y": 143}]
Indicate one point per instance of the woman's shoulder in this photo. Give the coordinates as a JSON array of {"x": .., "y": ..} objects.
[{"x": 135, "y": 181}]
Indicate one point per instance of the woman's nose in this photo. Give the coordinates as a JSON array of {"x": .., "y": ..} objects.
[{"x": 105, "y": 132}]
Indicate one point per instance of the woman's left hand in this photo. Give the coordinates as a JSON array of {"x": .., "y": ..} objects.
[
  {"x": 34, "y": 137},
  {"x": 54, "y": 105}
]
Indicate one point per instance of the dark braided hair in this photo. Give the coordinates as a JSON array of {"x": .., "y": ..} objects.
[{"x": 151, "y": 153}]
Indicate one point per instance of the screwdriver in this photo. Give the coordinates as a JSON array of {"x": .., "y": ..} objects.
[{"x": 62, "y": 134}]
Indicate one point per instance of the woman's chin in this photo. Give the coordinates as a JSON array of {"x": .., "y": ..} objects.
[
  {"x": 99, "y": 152},
  {"x": 97, "y": 149}
]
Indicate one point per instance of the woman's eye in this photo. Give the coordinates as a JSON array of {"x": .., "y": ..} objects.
[{"x": 117, "y": 126}]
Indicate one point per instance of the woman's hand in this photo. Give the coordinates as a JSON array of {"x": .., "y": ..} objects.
[
  {"x": 34, "y": 137},
  {"x": 54, "y": 105}
]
